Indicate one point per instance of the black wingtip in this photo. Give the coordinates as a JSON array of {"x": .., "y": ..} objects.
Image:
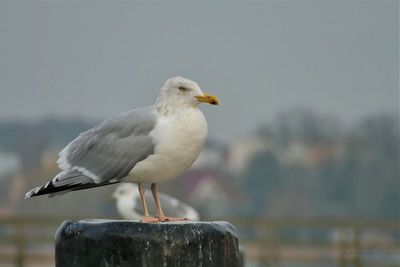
[{"x": 51, "y": 190}]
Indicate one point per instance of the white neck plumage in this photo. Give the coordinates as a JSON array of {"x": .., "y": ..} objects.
[{"x": 173, "y": 106}]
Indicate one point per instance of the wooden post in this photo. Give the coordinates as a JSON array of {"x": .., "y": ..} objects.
[{"x": 131, "y": 243}]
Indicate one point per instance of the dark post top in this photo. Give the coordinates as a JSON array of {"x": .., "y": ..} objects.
[{"x": 132, "y": 243}]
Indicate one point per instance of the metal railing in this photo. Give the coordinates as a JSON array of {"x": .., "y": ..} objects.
[
  {"x": 342, "y": 242},
  {"x": 268, "y": 242}
]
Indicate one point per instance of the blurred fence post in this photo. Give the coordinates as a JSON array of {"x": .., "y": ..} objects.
[
  {"x": 357, "y": 258},
  {"x": 130, "y": 243},
  {"x": 19, "y": 245}
]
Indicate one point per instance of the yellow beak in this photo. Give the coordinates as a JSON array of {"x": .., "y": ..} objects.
[{"x": 210, "y": 99}]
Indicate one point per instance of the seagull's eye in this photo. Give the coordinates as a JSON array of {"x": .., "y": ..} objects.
[{"x": 183, "y": 89}]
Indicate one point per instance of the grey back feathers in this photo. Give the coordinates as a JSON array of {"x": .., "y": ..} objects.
[
  {"x": 105, "y": 153},
  {"x": 111, "y": 149}
]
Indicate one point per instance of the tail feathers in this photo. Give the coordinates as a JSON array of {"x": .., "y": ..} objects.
[{"x": 63, "y": 183}]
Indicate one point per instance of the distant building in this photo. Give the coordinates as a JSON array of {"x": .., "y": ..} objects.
[
  {"x": 241, "y": 152},
  {"x": 212, "y": 192},
  {"x": 10, "y": 166}
]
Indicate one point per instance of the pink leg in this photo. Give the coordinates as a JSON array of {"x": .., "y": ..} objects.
[
  {"x": 160, "y": 214},
  {"x": 146, "y": 217}
]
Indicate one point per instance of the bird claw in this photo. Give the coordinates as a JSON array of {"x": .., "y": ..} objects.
[
  {"x": 172, "y": 219},
  {"x": 149, "y": 219}
]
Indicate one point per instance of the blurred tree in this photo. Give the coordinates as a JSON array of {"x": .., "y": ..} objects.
[
  {"x": 263, "y": 178},
  {"x": 338, "y": 172},
  {"x": 304, "y": 125},
  {"x": 374, "y": 144},
  {"x": 29, "y": 140}
]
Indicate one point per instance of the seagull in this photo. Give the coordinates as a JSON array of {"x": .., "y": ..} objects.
[
  {"x": 152, "y": 144},
  {"x": 129, "y": 207}
]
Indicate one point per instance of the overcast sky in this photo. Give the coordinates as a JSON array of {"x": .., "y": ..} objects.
[{"x": 94, "y": 59}]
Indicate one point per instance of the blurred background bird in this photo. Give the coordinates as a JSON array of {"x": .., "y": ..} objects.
[{"x": 130, "y": 208}]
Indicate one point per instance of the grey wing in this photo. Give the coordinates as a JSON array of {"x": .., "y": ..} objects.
[{"x": 111, "y": 149}]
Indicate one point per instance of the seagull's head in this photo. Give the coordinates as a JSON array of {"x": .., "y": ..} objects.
[
  {"x": 127, "y": 196},
  {"x": 181, "y": 91},
  {"x": 125, "y": 190}
]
